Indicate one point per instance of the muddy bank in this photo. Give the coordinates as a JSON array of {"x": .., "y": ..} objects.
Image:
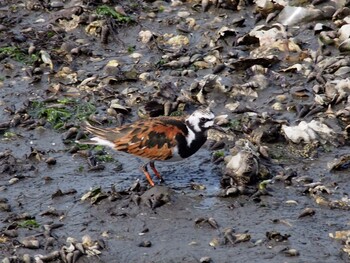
[{"x": 111, "y": 63}]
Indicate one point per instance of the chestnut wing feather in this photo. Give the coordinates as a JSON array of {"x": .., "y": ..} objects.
[{"x": 152, "y": 139}]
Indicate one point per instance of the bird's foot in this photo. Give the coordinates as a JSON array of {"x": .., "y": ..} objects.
[{"x": 151, "y": 164}]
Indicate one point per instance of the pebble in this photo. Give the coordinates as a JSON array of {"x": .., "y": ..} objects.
[
  {"x": 13, "y": 181},
  {"x": 146, "y": 243},
  {"x": 56, "y": 4},
  {"x": 51, "y": 161},
  {"x": 183, "y": 14},
  {"x": 205, "y": 260}
]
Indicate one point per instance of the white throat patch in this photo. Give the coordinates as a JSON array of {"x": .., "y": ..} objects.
[
  {"x": 194, "y": 121},
  {"x": 191, "y": 136}
]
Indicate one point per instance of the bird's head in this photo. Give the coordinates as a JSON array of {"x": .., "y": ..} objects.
[{"x": 202, "y": 120}]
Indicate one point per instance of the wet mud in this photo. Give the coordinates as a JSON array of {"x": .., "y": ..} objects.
[{"x": 57, "y": 206}]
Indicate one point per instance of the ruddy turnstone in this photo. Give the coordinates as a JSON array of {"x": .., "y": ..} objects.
[{"x": 157, "y": 139}]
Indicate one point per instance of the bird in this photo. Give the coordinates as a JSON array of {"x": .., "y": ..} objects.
[{"x": 164, "y": 138}]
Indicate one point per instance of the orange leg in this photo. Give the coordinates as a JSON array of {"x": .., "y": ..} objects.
[
  {"x": 151, "y": 164},
  {"x": 148, "y": 176}
]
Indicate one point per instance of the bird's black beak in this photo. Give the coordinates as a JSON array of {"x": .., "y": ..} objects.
[
  {"x": 218, "y": 128},
  {"x": 216, "y": 124}
]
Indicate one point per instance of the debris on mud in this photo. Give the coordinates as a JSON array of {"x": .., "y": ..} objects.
[
  {"x": 153, "y": 198},
  {"x": 339, "y": 163},
  {"x": 276, "y": 74},
  {"x": 201, "y": 221}
]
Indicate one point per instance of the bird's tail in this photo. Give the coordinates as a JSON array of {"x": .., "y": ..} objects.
[
  {"x": 99, "y": 132},
  {"x": 103, "y": 136}
]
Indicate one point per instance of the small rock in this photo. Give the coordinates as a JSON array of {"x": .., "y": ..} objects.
[
  {"x": 56, "y": 4},
  {"x": 5, "y": 207},
  {"x": 13, "y": 180},
  {"x": 2, "y": 28},
  {"x": 212, "y": 222},
  {"x": 26, "y": 258},
  {"x": 344, "y": 46},
  {"x": 244, "y": 237},
  {"x": 183, "y": 14},
  {"x": 51, "y": 161},
  {"x": 146, "y": 243},
  {"x": 205, "y": 260},
  {"x": 276, "y": 236},
  {"x": 10, "y": 233},
  {"x": 57, "y": 193},
  {"x": 307, "y": 212},
  {"x": 30, "y": 243},
  {"x": 291, "y": 252},
  {"x": 216, "y": 241}
]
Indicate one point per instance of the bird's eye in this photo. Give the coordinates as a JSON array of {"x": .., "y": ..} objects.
[{"x": 203, "y": 119}]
